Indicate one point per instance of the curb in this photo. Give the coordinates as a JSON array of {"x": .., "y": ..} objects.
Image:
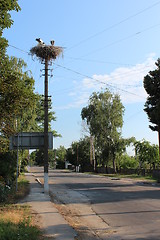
[{"x": 38, "y": 180}]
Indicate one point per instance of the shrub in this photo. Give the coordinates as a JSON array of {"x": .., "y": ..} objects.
[
  {"x": 4, "y": 192},
  {"x": 127, "y": 162},
  {"x": 8, "y": 166}
]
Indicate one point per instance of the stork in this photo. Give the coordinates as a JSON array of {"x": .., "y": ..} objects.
[
  {"x": 40, "y": 41},
  {"x": 52, "y": 42}
]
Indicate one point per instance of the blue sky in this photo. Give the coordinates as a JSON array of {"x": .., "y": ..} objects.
[{"x": 107, "y": 43}]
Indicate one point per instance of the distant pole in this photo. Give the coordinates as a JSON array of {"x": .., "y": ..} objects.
[
  {"x": 17, "y": 162},
  {"x": 94, "y": 159},
  {"x": 77, "y": 170},
  {"x": 46, "y": 186},
  {"x": 55, "y": 158},
  {"x": 91, "y": 150}
]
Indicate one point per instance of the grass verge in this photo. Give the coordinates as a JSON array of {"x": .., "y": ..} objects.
[
  {"x": 131, "y": 176},
  {"x": 17, "y": 221}
]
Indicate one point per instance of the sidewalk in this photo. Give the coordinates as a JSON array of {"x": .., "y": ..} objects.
[{"x": 53, "y": 224}]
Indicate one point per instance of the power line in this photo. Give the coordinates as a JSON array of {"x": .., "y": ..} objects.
[
  {"x": 99, "y": 61},
  {"x": 114, "y": 25},
  {"x": 131, "y": 117},
  {"x": 97, "y": 80},
  {"x": 131, "y": 71},
  {"x": 18, "y": 48},
  {"x": 99, "y": 49},
  {"x": 117, "y": 77},
  {"x": 78, "y": 73},
  {"x": 120, "y": 75},
  {"x": 121, "y": 40}
]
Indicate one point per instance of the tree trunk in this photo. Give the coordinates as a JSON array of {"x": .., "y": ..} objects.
[{"x": 114, "y": 163}]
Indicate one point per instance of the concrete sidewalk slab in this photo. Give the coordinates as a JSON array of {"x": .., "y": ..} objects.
[{"x": 53, "y": 224}]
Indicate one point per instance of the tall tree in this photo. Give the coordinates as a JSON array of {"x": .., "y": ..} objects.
[
  {"x": 16, "y": 97},
  {"x": 152, "y": 105},
  {"x": 5, "y": 69},
  {"x": 104, "y": 116}
]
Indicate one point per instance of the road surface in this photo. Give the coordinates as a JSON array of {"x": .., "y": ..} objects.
[{"x": 105, "y": 208}]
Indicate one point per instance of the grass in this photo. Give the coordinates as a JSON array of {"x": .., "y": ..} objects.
[
  {"x": 132, "y": 176},
  {"x": 23, "y": 188},
  {"x": 16, "y": 223},
  {"x": 16, "y": 220}
]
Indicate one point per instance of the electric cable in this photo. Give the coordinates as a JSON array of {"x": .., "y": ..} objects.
[
  {"x": 114, "y": 25},
  {"x": 107, "y": 84},
  {"x": 121, "y": 40},
  {"x": 86, "y": 76}
]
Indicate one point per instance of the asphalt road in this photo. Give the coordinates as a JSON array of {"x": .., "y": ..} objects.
[{"x": 130, "y": 209}]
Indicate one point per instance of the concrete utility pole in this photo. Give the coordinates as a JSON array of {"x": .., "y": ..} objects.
[
  {"x": 46, "y": 186},
  {"x": 46, "y": 53}
]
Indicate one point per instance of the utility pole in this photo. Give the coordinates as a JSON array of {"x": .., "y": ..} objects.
[
  {"x": 17, "y": 154},
  {"x": 77, "y": 167},
  {"x": 46, "y": 53},
  {"x": 46, "y": 186}
]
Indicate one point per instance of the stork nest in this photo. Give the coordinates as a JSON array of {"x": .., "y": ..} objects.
[{"x": 49, "y": 52}]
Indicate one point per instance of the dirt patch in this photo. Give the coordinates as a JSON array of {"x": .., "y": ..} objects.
[
  {"x": 74, "y": 220},
  {"x": 83, "y": 219}
]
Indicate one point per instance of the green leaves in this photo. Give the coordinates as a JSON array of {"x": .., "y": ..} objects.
[
  {"x": 5, "y": 17},
  {"x": 104, "y": 116},
  {"x": 152, "y": 105},
  {"x": 146, "y": 153}
]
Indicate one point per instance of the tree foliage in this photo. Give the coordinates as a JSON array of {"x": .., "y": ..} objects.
[
  {"x": 104, "y": 116},
  {"x": 146, "y": 153},
  {"x": 152, "y": 105},
  {"x": 5, "y": 18},
  {"x": 60, "y": 157},
  {"x": 79, "y": 153},
  {"x": 8, "y": 166},
  {"x": 128, "y": 162},
  {"x": 5, "y": 21},
  {"x": 20, "y": 108},
  {"x": 16, "y": 98}
]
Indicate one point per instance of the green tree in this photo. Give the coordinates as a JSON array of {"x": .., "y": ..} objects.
[
  {"x": 71, "y": 156},
  {"x": 79, "y": 153},
  {"x": 83, "y": 152},
  {"x": 61, "y": 157},
  {"x": 152, "y": 105},
  {"x": 104, "y": 116},
  {"x": 146, "y": 153},
  {"x": 16, "y": 99},
  {"x": 32, "y": 158},
  {"x": 37, "y": 157},
  {"x": 20, "y": 108}
]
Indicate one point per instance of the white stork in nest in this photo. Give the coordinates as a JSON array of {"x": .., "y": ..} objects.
[{"x": 40, "y": 41}]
